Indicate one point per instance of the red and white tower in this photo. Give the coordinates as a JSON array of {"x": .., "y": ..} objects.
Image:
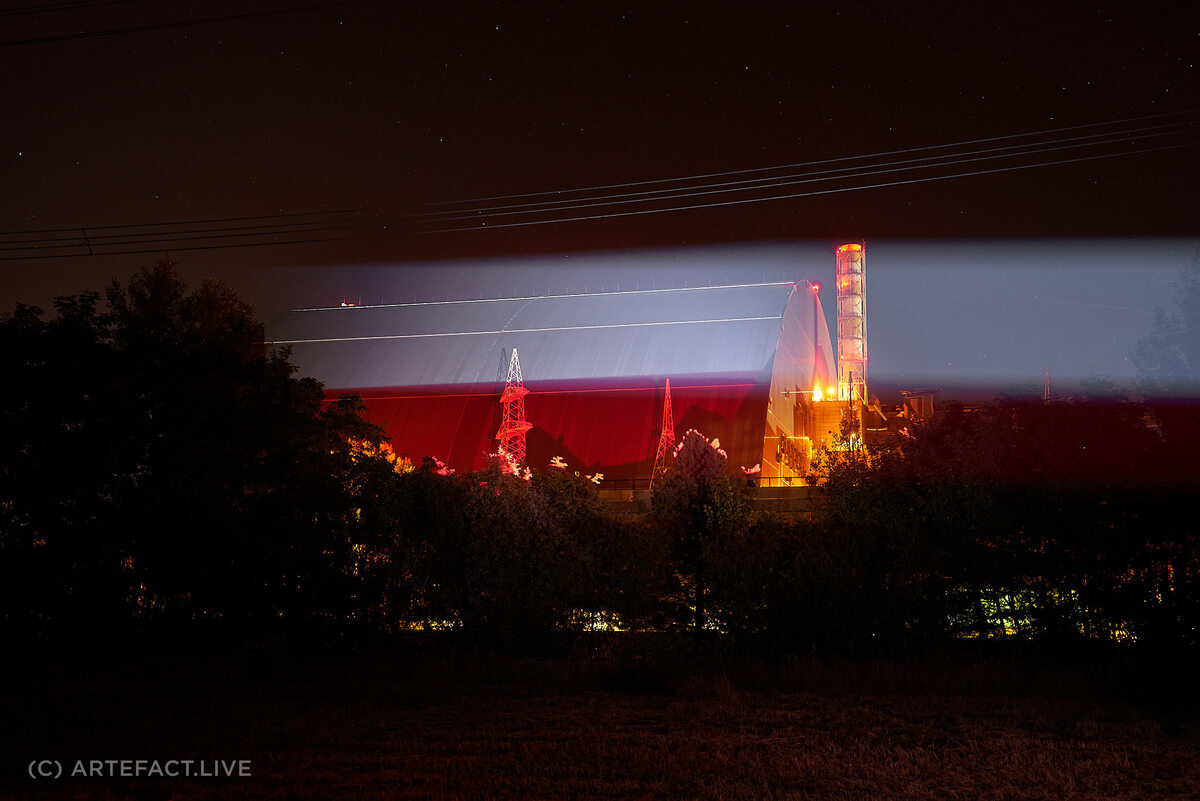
[
  {"x": 513, "y": 427},
  {"x": 851, "y": 323},
  {"x": 666, "y": 440}
]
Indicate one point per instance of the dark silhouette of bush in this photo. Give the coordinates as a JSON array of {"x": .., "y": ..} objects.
[
  {"x": 1029, "y": 520},
  {"x": 518, "y": 561},
  {"x": 697, "y": 505}
]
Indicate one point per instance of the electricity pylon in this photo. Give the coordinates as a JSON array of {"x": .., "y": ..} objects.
[
  {"x": 513, "y": 428},
  {"x": 666, "y": 440}
]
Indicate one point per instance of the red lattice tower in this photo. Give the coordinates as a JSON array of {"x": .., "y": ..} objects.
[
  {"x": 666, "y": 440},
  {"x": 513, "y": 428}
]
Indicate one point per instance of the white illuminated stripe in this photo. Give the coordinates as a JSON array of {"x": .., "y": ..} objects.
[
  {"x": 544, "y": 297},
  {"x": 523, "y": 330}
]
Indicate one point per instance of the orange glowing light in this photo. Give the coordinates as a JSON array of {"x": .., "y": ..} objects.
[
  {"x": 851, "y": 247},
  {"x": 817, "y": 394},
  {"x": 816, "y": 286}
]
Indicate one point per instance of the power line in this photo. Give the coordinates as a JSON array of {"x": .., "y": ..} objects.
[
  {"x": 819, "y": 162},
  {"x": 771, "y": 182},
  {"x": 296, "y": 227},
  {"x": 249, "y": 230},
  {"x": 167, "y": 239},
  {"x": 813, "y": 193},
  {"x": 282, "y": 229},
  {"x": 174, "y": 249},
  {"x": 280, "y": 216}
]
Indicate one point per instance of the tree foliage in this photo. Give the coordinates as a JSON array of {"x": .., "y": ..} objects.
[
  {"x": 1042, "y": 521},
  {"x": 697, "y": 506},
  {"x": 513, "y": 561},
  {"x": 1168, "y": 358},
  {"x": 1168, "y": 367},
  {"x": 159, "y": 465}
]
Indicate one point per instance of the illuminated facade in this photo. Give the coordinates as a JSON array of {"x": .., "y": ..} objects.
[{"x": 745, "y": 363}]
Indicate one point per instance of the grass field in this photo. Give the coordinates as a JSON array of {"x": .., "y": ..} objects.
[{"x": 438, "y": 728}]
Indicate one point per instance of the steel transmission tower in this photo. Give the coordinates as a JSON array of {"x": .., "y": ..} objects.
[
  {"x": 513, "y": 428},
  {"x": 666, "y": 440}
]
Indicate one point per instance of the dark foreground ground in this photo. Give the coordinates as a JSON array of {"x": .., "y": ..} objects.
[{"x": 457, "y": 727}]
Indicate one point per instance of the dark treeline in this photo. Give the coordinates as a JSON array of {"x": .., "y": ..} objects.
[
  {"x": 158, "y": 467},
  {"x": 162, "y": 474},
  {"x": 1053, "y": 522}
]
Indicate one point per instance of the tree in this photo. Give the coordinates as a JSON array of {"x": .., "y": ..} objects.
[
  {"x": 64, "y": 475},
  {"x": 494, "y": 554},
  {"x": 1038, "y": 521},
  {"x": 1168, "y": 367},
  {"x": 697, "y": 504},
  {"x": 162, "y": 466},
  {"x": 1168, "y": 358}
]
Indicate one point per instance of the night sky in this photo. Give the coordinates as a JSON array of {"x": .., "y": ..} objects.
[{"x": 216, "y": 131}]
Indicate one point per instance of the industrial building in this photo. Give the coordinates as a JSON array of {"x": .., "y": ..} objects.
[{"x": 752, "y": 364}]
